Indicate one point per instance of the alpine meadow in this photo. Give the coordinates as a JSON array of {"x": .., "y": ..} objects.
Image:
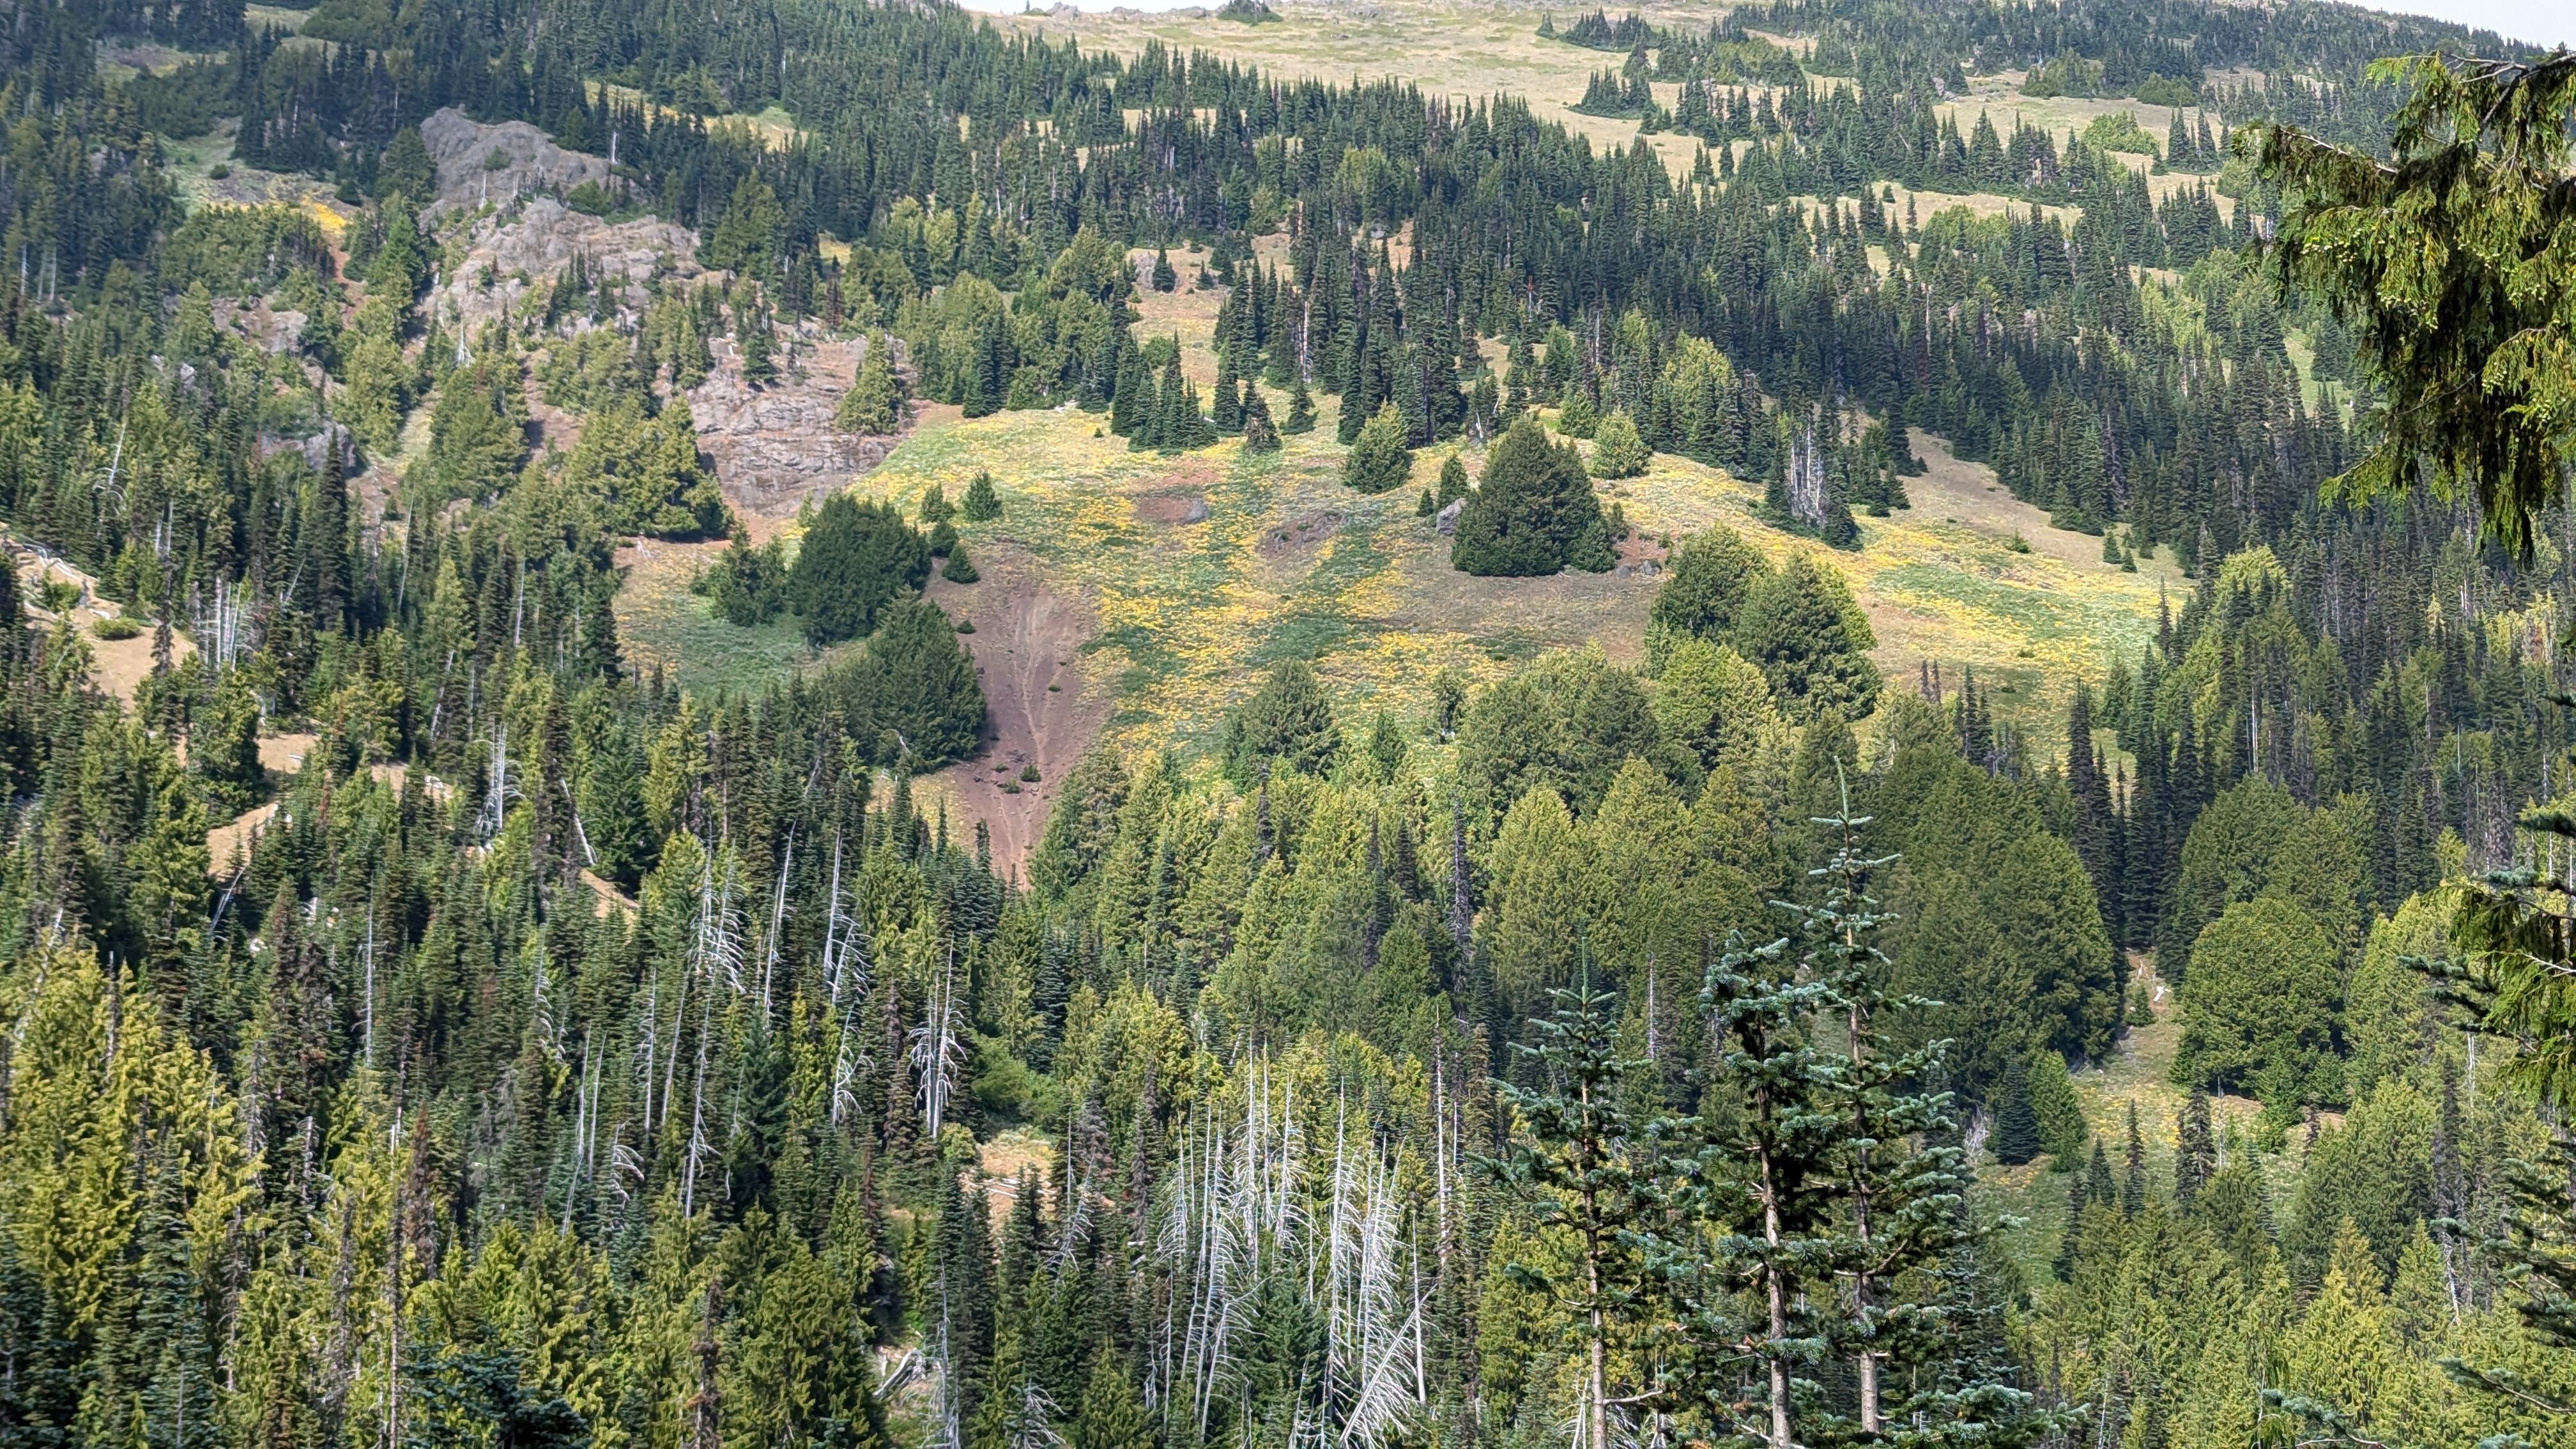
[{"x": 1324, "y": 724}]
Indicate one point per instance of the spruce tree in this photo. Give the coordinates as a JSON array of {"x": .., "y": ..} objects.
[
  {"x": 2195, "y": 1150},
  {"x": 1571, "y": 1160},
  {"x": 2016, "y": 1130},
  {"x": 1301, "y": 410},
  {"x": 1811, "y": 641},
  {"x": 1533, "y": 514},
  {"x": 1260, "y": 435},
  {"x": 2133, "y": 1188},
  {"x": 1228, "y": 412},
  {"x": 1287, "y": 721},
  {"x": 1835, "y": 1191},
  {"x": 981, "y": 504},
  {"x": 1379, "y": 460},
  {"x": 1453, "y": 482}
]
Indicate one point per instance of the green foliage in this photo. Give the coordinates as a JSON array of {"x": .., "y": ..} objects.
[
  {"x": 1533, "y": 512},
  {"x": 648, "y": 476},
  {"x": 405, "y": 170},
  {"x": 2442, "y": 262},
  {"x": 1810, "y": 639},
  {"x": 243, "y": 251},
  {"x": 981, "y": 504},
  {"x": 477, "y": 438},
  {"x": 1708, "y": 579},
  {"x": 748, "y": 585},
  {"x": 2058, "y": 1115},
  {"x": 1287, "y": 722},
  {"x": 873, "y": 405},
  {"x": 854, "y": 558},
  {"x": 1617, "y": 450},
  {"x": 2016, "y": 1138},
  {"x": 749, "y": 236},
  {"x": 1379, "y": 460},
  {"x": 2262, "y": 997},
  {"x": 2120, "y": 131}
]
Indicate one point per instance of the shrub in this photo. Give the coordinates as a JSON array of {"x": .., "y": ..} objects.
[{"x": 1617, "y": 451}]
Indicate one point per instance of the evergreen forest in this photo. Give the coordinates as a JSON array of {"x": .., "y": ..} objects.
[{"x": 441, "y": 1010}]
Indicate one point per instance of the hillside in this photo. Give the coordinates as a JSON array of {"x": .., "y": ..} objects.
[{"x": 811, "y": 725}]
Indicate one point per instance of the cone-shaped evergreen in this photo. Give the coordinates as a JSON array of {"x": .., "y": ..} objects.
[
  {"x": 1379, "y": 460},
  {"x": 2016, "y": 1131},
  {"x": 1534, "y": 512}
]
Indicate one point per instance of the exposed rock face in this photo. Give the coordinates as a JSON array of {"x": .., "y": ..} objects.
[
  {"x": 775, "y": 447},
  {"x": 462, "y": 148},
  {"x": 539, "y": 239}
]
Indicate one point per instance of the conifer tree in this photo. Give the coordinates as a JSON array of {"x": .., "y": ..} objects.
[
  {"x": 1260, "y": 435},
  {"x": 1379, "y": 460},
  {"x": 1617, "y": 450},
  {"x": 2016, "y": 1130},
  {"x": 2195, "y": 1153},
  {"x": 1301, "y": 409},
  {"x": 1533, "y": 514},
  {"x": 1830, "y": 1178},
  {"x": 1572, "y": 1162}
]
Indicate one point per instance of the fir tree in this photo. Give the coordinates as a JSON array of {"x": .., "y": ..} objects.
[
  {"x": 1301, "y": 410},
  {"x": 2016, "y": 1130},
  {"x": 1379, "y": 460}
]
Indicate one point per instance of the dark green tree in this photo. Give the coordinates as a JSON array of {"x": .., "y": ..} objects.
[
  {"x": 1533, "y": 513},
  {"x": 854, "y": 558},
  {"x": 1811, "y": 641},
  {"x": 1287, "y": 721},
  {"x": 2016, "y": 1130}
]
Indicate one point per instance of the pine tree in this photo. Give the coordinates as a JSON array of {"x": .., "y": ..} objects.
[
  {"x": 2016, "y": 1130},
  {"x": 1301, "y": 410},
  {"x": 981, "y": 504},
  {"x": 1573, "y": 1165},
  {"x": 1165, "y": 279},
  {"x": 2195, "y": 1153},
  {"x": 1379, "y": 460}
]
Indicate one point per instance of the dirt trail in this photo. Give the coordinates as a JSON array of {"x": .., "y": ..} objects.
[{"x": 1036, "y": 709}]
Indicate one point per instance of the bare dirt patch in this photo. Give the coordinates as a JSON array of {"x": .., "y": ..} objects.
[
  {"x": 116, "y": 666},
  {"x": 1303, "y": 531},
  {"x": 1171, "y": 508},
  {"x": 1036, "y": 710},
  {"x": 283, "y": 755},
  {"x": 228, "y": 844}
]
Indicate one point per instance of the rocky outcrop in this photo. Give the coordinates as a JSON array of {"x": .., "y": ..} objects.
[
  {"x": 775, "y": 447},
  {"x": 466, "y": 153},
  {"x": 521, "y": 248}
]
